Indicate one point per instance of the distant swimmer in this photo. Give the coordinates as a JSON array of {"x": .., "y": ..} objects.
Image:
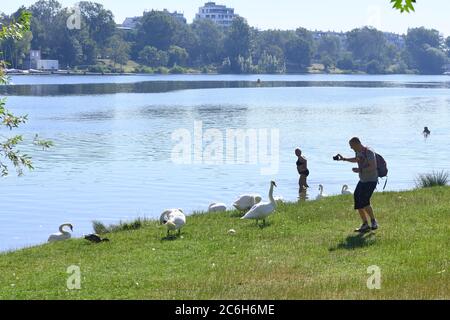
[{"x": 426, "y": 132}]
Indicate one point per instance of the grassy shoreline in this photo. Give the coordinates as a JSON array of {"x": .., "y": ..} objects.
[{"x": 307, "y": 251}]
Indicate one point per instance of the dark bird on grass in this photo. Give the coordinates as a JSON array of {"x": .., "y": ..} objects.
[{"x": 95, "y": 238}]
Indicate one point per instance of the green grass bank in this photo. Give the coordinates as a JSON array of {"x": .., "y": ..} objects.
[{"x": 308, "y": 251}]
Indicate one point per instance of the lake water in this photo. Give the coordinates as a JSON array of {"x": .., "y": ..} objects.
[{"x": 112, "y": 158}]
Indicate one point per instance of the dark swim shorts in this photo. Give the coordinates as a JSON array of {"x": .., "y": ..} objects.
[{"x": 363, "y": 193}]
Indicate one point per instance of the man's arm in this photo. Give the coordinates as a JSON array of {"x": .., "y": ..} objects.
[{"x": 352, "y": 160}]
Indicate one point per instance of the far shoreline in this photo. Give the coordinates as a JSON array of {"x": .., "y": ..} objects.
[{"x": 88, "y": 74}]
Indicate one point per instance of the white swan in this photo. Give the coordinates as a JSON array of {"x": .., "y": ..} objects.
[
  {"x": 321, "y": 194},
  {"x": 346, "y": 190},
  {"x": 262, "y": 210},
  {"x": 173, "y": 219},
  {"x": 61, "y": 235},
  {"x": 247, "y": 201},
  {"x": 217, "y": 207}
]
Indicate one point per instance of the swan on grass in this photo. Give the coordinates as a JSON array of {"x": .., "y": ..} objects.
[
  {"x": 247, "y": 201},
  {"x": 62, "y": 234},
  {"x": 217, "y": 207},
  {"x": 262, "y": 210},
  {"x": 346, "y": 190},
  {"x": 321, "y": 193},
  {"x": 173, "y": 219}
]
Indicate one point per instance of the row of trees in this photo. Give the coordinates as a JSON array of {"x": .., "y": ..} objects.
[
  {"x": 9, "y": 153},
  {"x": 163, "y": 41}
]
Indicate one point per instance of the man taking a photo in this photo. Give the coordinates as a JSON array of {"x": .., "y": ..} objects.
[{"x": 368, "y": 180}]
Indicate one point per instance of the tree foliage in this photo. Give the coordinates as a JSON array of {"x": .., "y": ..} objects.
[
  {"x": 424, "y": 48},
  {"x": 160, "y": 40},
  {"x": 8, "y": 147}
]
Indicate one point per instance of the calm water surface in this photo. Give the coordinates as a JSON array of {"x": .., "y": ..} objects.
[{"x": 113, "y": 141}]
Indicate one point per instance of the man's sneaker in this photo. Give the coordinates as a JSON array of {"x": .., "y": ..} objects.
[
  {"x": 363, "y": 229},
  {"x": 374, "y": 225}
]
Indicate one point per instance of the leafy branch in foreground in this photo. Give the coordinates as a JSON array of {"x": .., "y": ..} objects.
[
  {"x": 16, "y": 29},
  {"x": 8, "y": 147},
  {"x": 404, "y": 5}
]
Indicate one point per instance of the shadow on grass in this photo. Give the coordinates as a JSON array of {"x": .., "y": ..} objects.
[
  {"x": 171, "y": 237},
  {"x": 356, "y": 241},
  {"x": 259, "y": 225}
]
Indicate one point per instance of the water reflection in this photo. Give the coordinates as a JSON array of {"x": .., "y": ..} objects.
[{"x": 168, "y": 86}]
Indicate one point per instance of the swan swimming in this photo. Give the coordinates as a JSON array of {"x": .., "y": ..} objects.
[
  {"x": 346, "y": 190},
  {"x": 262, "y": 210},
  {"x": 321, "y": 194},
  {"x": 61, "y": 235},
  {"x": 217, "y": 207},
  {"x": 173, "y": 219},
  {"x": 247, "y": 201}
]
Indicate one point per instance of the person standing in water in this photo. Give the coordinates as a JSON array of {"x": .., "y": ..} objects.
[
  {"x": 302, "y": 168},
  {"x": 426, "y": 132}
]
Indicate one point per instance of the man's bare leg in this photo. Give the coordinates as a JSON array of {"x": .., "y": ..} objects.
[
  {"x": 365, "y": 226},
  {"x": 369, "y": 211},
  {"x": 362, "y": 213},
  {"x": 374, "y": 222}
]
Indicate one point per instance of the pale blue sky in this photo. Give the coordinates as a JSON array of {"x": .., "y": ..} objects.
[{"x": 289, "y": 14}]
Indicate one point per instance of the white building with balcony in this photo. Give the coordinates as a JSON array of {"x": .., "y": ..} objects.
[{"x": 219, "y": 14}]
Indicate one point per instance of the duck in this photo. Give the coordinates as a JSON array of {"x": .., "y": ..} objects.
[
  {"x": 262, "y": 210},
  {"x": 62, "y": 234},
  {"x": 217, "y": 207},
  {"x": 321, "y": 194},
  {"x": 247, "y": 201},
  {"x": 95, "y": 238},
  {"x": 173, "y": 219},
  {"x": 346, "y": 190}
]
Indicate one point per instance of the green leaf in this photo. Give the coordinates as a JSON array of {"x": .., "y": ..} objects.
[{"x": 404, "y": 5}]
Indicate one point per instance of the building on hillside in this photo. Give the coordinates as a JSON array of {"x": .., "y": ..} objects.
[
  {"x": 35, "y": 55},
  {"x": 397, "y": 40},
  {"x": 317, "y": 35},
  {"x": 131, "y": 23},
  {"x": 219, "y": 14},
  {"x": 447, "y": 69},
  {"x": 48, "y": 65},
  {"x": 37, "y": 63},
  {"x": 177, "y": 15}
]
